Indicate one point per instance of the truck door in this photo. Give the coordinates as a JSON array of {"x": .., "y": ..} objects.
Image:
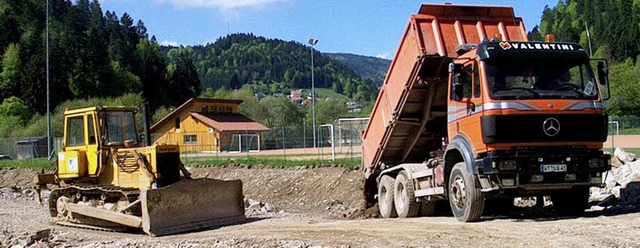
[{"x": 465, "y": 105}]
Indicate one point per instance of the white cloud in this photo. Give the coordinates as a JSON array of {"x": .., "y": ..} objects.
[
  {"x": 224, "y": 4},
  {"x": 384, "y": 55},
  {"x": 169, "y": 43}
]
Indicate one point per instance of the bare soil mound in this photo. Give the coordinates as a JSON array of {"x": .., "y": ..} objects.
[{"x": 331, "y": 191}]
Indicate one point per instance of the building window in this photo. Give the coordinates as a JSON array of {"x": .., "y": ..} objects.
[
  {"x": 221, "y": 109},
  {"x": 213, "y": 109},
  {"x": 177, "y": 122},
  {"x": 204, "y": 108},
  {"x": 190, "y": 139},
  {"x": 227, "y": 109}
]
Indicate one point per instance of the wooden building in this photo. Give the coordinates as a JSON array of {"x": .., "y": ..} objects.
[{"x": 208, "y": 125}]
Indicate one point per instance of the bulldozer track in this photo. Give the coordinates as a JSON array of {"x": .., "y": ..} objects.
[
  {"x": 89, "y": 227},
  {"x": 129, "y": 193}
]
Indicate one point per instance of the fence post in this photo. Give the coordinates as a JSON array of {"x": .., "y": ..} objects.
[
  {"x": 284, "y": 147},
  {"x": 351, "y": 140},
  {"x": 246, "y": 137}
]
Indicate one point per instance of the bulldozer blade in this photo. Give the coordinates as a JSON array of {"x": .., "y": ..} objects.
[{"x": 192, "y": 205}]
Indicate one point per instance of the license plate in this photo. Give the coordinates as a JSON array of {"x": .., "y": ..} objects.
[{"x": 553, "y": 168}]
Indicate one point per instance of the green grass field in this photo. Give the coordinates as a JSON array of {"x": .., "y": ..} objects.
[
  {"x": 635, "y": 151},
  {"x": 328, "y": 93},
  {"x": 273, "y": 162},
  {"x": 29, "y": 163},
  {"x": 630, "y": 131},
  {"x": 253, "y": 161}
]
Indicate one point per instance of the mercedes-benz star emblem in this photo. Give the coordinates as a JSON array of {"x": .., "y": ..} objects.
[{"x": 551, "y": 127}]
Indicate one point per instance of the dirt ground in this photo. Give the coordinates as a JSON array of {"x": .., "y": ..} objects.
[{"x": 313, "y": 209}]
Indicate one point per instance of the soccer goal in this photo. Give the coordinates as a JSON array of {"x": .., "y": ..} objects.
[{"x": 244, "y": 143}]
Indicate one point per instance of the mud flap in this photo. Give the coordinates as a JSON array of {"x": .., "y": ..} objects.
[{"x": 192, "y": 205}]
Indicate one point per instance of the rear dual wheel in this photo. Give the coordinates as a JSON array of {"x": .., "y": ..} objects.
[
  {"x": 404, "y": 197},
  {"x": 396, "y": 197},
  {"x": 385, "y": 197}
]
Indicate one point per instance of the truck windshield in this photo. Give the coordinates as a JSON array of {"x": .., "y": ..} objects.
[
  {"x": 531, "y": 80},
  {"x": 120, "y": 126}
]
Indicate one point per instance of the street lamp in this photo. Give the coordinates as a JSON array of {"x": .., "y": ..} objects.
[
  {"x": 313, "y": 42},
  {"x": 49, "y": 144}
]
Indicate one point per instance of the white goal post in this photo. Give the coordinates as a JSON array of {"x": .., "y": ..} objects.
[{"x": 244, "y": 143}]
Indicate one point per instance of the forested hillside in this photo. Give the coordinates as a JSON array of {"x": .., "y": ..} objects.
[
  {"x": 614, "y": 27},
  {"x": 92, "y": 54},
  {"x": 367, "y": 67},
  {"x": 271, "y": 66},
  {"x": 96, "y": 57}
]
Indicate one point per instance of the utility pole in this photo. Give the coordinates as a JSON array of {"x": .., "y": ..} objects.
[
  {"x": 49, "y": 145},
  {"x": 313, "y": 42}
]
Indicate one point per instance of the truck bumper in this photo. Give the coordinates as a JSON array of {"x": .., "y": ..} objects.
[{"x": 540, "y": 170}]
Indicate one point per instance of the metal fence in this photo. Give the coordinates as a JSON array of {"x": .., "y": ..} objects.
[
  {"x": 340, "y": 139},
  {"x": 624, "y": 125}
]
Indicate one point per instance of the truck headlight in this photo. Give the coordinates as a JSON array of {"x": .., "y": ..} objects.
[
  {"x": 508, "y": 182},
  {"x": 507, "y": 165}
]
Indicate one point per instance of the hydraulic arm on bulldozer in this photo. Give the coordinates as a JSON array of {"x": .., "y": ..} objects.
[{"x": 109, "y": 178}]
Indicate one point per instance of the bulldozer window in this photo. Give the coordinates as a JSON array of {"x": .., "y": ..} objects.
[
  {"x": 92, "y": 131},
  {"x": 120, "y": 127},
  {"x": 75, "y": 131}
]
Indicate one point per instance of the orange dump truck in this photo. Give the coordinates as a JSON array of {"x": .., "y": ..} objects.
[{"x": 473, "y": 113}]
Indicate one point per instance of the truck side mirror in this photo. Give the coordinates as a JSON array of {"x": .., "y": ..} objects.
[
  {"x": 603, "y": 73},
  {"x": 455, "y": 68}
]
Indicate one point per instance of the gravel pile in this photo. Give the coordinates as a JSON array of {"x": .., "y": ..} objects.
[{"x": 622, "y": 182}]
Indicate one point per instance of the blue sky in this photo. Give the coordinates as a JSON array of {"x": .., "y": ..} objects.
[{"x": 371, "y": 28}]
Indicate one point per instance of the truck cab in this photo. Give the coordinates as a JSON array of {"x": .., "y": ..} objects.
[
  {"x": 471, "y": 112},
  {"x": 529, "y": 117}
]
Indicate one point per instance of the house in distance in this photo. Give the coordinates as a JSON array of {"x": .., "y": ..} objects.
[{"x": 209, "y": 125}]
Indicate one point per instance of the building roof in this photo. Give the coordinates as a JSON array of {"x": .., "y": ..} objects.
[
  {"x": 229, "y": 122},
  {"x": 189, "y": 102}
]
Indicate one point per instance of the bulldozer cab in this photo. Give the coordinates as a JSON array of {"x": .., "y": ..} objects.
[{"x": 89, "y": 133}]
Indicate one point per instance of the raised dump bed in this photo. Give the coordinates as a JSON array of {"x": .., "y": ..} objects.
[{"x": 410, "y": 115}]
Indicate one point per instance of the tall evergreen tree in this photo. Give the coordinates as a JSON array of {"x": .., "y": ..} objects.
[
  {"x": 183, "y": 80},
  {"x": 152, "y": 71}
]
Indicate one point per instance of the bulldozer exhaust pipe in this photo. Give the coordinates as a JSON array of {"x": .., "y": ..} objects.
[{"x": 147, "y": 131}]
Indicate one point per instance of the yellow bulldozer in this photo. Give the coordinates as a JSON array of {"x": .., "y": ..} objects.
[{"x": 109, "y": 177}]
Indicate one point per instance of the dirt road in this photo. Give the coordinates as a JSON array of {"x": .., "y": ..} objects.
[{"x": 314, "y": 206}]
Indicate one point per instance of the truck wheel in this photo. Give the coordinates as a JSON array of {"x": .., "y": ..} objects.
[
  {"x": 465, "y": 198},
  {"x": 403, "y": 196},
  {"x": 385, "y": 197},
  {"x": 571, "y": 202}
]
